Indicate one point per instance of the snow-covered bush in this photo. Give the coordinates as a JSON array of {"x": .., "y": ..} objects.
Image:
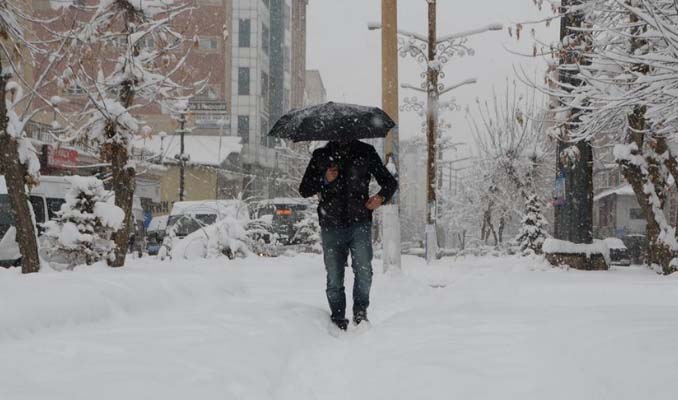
[
  {"x": 226, "y": 237},
  {"x": 307, "y": 233},
  {"x": 261, "y": 235},
  {"x": 81, "y": 232},
  {"x": 533, "y": 231}
]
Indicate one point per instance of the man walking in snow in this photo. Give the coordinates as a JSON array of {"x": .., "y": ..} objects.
[{"x": 340, "y": 174}]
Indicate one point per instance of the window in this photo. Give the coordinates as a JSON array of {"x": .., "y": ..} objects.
[
  {"x": 38, "y": 208},
  {"x": 265, "y": 38},
  {"x": 208, "y": 43},
  {"x": 243, "y": 81},
  {"x": 673, "y": 210},
  {"x": 244, "y": 128},
  {"x": 636, "y": 213},
  {"x": 264, "y": 88},
  {"x": 54, "y": 206},
  {"x": 267, "y": 3},
  {"x": 147, "y": 42},
  {"x": 244, "y": 33}
]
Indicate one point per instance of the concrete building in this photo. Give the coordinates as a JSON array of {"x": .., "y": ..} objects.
[
  {"x": 314, "y": 90},
  {"x": 616, "y": 212}
]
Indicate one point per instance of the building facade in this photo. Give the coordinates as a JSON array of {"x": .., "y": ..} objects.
[{"x": 616, "y": 211}]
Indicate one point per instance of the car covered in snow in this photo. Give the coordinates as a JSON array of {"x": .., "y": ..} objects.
[
  {"x": 155, "y": 233},
  {"x": 285, "y": 214},
  {"x": 187, "y": 217},
  {"x": 619, "y": 254}
]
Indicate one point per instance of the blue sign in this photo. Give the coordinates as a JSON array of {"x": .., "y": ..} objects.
[{"x": 559, "y": 190}]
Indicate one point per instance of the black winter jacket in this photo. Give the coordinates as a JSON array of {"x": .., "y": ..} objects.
[{"x": 342, "y": 202}]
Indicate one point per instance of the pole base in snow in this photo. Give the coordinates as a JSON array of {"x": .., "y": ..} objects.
[
  {"x": 390, "y": 237},
  {"x": 431, "y": 243}
]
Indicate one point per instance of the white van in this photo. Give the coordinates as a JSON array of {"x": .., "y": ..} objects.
[{"x": 46, "y": 199}]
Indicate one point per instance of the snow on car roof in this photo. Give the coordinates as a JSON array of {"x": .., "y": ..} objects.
[
  {"x": 614, "y": 243},
  {"x": 158, "y": 223},
  {"x": 219, "y": 207},
  {"x": 285, "y": 200}
]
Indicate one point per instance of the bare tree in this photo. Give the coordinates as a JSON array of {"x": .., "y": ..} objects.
[{"x": 509, "y": 135}]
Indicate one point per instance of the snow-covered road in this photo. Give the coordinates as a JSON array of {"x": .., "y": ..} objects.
[{"x": 485, "y": 328}]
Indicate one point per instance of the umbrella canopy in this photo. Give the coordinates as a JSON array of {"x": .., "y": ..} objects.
[{"x": 333, "y": 121}]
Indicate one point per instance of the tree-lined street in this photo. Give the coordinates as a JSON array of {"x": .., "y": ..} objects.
[{"x": 258, "y": 329}]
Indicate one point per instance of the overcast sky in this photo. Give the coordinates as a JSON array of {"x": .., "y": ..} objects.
[{"x": 348, "y": 55}]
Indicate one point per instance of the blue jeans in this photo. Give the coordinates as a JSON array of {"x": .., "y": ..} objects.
[{"x": 337, "y": 243}]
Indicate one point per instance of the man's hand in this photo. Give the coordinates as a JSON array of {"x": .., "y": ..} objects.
[
  {"x": 374, "y": 202},
  {"x": 331, "y": 174}
]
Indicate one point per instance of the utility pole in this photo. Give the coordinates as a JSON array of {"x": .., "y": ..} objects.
[
  {"x": 448, "y": 46},
  {"x": 182, "y": 157},
  {"x": 389, "y": 98},
  {"x": 431, "y": 132}
]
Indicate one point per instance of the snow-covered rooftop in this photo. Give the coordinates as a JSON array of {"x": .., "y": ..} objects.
[
  {"x": 625, "y": 190},
  {"x": 202, "y": 149}
]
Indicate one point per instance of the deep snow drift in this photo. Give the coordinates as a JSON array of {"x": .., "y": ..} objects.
[{"x": 474, "y": 328}]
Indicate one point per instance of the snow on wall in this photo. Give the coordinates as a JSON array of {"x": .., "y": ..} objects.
[{"x": 553, "y": 246}]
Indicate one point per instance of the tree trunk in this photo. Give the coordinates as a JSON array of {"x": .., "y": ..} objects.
[
  {"x": 16, "y": 179},
  {"x": 651, "y": 202},
  {"x": 658, "y": 252},
  {"x": 502, "y": 225},
  {"x": 123, "y": 184}
]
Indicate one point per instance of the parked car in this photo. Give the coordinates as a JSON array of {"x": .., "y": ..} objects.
[
  {"x": 619, "y": 253},
  {"x": 637, "y": 249},
  {"x": 284, "y": 214},
  {"x": 46, "y": 200},
  {"x": 155, "y": 233},
  {"x": 187, "y": 217}
]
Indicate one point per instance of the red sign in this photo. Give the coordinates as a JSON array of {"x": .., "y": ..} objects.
[{"x": 61, "y": 157}]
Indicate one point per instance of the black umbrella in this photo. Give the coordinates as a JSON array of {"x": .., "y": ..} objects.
[{"x": 333, "y": 121}]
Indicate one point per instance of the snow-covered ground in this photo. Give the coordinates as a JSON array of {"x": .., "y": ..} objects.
[{"x": 474, "y": 328}]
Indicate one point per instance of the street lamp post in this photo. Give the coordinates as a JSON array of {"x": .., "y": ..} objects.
[
  {"x": 432, "y": 93},
  {"x": 434, "y": 51}
]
